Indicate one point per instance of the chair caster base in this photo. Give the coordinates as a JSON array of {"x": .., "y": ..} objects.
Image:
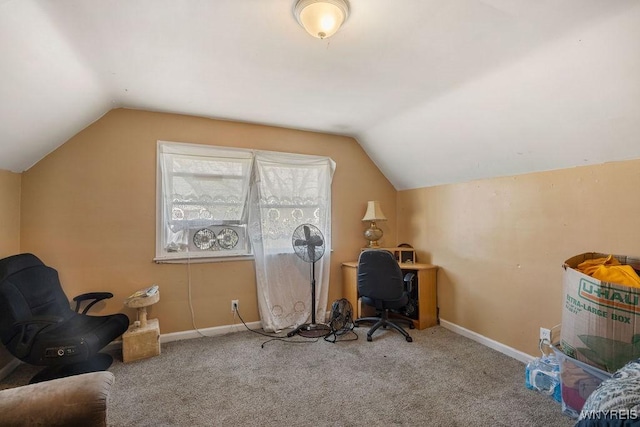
[
  {"x": 409, "y": 339},
  {"x": 369, "y": 338}
]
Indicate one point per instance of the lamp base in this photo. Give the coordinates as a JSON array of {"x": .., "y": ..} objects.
[{"x": 373, "y": 234}]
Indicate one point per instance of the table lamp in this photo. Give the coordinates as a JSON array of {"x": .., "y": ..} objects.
[{"x": 373, "y": 214}]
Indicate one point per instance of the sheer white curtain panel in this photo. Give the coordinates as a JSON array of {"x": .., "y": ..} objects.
[{"x": 289, "y": 190}]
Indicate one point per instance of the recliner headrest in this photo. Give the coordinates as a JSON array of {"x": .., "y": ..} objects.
[{"x": 16, "y": 263}]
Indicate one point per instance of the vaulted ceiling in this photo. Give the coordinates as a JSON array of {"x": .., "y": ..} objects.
[{"x": 435, "y": 91}]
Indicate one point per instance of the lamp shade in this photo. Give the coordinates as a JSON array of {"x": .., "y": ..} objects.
[
  {"x": 374, "y": 212},
  {"x": 321, "y": 18}
]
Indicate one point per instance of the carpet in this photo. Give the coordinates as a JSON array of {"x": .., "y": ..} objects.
[{"x": 242, "y": 379}]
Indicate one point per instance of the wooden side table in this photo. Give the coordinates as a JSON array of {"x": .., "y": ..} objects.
[
  {"x": 427, "y": 291},
  {"x": 142, "y": 339}
]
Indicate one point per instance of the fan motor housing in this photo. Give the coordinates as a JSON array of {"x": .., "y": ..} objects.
[{"x": 308, "y": 242}]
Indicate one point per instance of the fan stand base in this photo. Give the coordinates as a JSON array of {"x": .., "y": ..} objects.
[{"x": 311, "y": 330}]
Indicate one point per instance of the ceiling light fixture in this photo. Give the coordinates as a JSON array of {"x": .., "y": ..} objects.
[{"x": 321, "y": 18}]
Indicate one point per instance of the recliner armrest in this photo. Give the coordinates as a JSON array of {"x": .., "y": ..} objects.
[
  {"x": 78, "y": 400},
  {"x": 96, "y": 296},
  {"x": 22, "y": 347}
]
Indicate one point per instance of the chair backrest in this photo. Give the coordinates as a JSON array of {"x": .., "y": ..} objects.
[
  {"x": 379, "y": 275},
  {"x": 28, "y": 288}
]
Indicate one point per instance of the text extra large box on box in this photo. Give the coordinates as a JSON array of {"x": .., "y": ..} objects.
[{"x": 600, "y": 320}]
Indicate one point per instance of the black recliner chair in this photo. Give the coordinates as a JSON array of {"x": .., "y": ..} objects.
[
  {"x": 381, "y": 285},
  {"x": 38, "y": 326}
]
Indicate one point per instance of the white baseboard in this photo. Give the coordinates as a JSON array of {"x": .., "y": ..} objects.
[
  {"x": 209, "y": 332},
  {"x": 504, "y": 349},
  {"x": 187, "y": 335},
  {"x": 222, "y": 330}
]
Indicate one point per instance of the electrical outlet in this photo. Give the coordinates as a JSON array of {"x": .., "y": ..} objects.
[
  {"x": 545, "y": 334},
  {"x": 234, "y": 305}
]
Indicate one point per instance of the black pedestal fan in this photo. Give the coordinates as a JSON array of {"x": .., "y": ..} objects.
[{"x": 308, "y": 244}]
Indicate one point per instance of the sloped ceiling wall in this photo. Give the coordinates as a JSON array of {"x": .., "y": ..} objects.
[{"x": 435, "y": 91}]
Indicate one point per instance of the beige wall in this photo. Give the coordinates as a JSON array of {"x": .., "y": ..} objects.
[
  {"x": 89, "y": 210},
  {"x": 10, "y": 213},
  {"x": 9, "y": 228},
  {"x": 501, "y": 242}
]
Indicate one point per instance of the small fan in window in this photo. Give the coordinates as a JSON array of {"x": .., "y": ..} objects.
[
  {"x": 204, "y": 239},
  {"x": 228, "y": 238}
]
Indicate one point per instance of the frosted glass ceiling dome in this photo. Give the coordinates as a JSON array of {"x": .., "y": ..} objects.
[{"x": 321, "y": 18}]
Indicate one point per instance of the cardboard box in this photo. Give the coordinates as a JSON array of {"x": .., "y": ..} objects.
[
  {"x": 600, "y": 320},
  {"x": 577, "y": 381}
]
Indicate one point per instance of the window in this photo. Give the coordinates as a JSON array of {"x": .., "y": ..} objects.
[
  {"x": 293, "y": 190},
  {"x": 202, "y": 201}
]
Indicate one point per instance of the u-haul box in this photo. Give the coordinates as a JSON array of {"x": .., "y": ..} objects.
[{"x": 600, "y": 320}]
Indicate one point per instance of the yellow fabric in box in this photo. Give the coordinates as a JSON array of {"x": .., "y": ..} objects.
[{"x": 610, "y": 270}]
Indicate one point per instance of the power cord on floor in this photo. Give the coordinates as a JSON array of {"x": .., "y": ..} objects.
[
  {"x": 274, "y": 338},
  {"x": 193, "y": 318},
  {"x": 341, "y": 333},
  {"x": 236, "y": 311}
]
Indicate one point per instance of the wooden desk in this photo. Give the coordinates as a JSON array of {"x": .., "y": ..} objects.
[{"x": 427, "y": 304}]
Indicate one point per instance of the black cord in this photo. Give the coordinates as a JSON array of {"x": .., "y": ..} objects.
[
  {"x": 338, "y": 334},
  {"x": 273, "y": 338},
  {"x": 341, "y": 332}
]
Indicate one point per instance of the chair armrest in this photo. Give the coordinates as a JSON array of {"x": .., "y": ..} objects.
[
  {"x": 95, "y": 296},
  {"x": 80, "y": 400},
  {"x": 23, "y": 348},
  {"x": 408, "y": 281}
]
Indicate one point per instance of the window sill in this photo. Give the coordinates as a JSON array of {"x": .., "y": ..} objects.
[{"x": 201, "y": 260}]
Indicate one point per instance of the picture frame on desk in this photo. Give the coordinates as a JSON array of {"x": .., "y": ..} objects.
[{"x": 404, "y": 255}]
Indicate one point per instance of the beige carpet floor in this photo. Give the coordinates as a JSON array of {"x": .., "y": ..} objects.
[{"x": 242, "y": 379}]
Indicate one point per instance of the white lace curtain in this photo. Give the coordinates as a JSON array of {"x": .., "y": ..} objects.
[
  {"x": 201, "y": 186},
  {"x": 289, "y": 190}
]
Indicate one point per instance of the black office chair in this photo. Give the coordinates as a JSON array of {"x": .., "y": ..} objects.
[
  {"x": 381, "y": 285},
  {"x": 38, "y": 326}
]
